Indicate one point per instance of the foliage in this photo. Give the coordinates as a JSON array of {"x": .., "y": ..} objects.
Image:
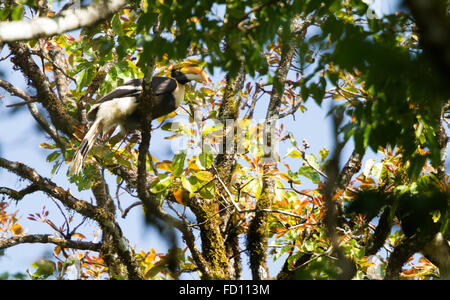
[{"x": 372, "y": 70}]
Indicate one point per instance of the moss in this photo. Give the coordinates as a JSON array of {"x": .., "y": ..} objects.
[
  {"x": 213, "y": 246},
  {"x": 257, "y": 236}
]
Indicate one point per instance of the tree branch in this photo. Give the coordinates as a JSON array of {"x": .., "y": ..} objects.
[
  {"x": 403, "y": 252},
  {"x": 145, "y": 106},
  {"x": 257, "y": 235},
  {"x": 18, "y": 195},
  {"x": 14, "y": 91},
  {"x": 47, "y": 238},
  {"x": 67, "y": 20},
  {"x": 50, "y": 188},
  {"x": 347, "y": 267}
]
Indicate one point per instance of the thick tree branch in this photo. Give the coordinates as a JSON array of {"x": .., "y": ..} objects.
[
  {"x": 403, "y": 252},
  {"x": 61, "y": 77},
  {"x": 352, "y": 166},
  {"x": 145, "y": 107},
  {"x": 52, "y": 189},
  {"x": 47, "y": 238},
  {"x": 65, "y": 21},
  {"x": 225, "y": 251},
  {"x": 438, "y": 252},
  {"x": 257, "y": 235},
  {"x": 116, "y": 250},
  {"x": 347, "y": 267}
]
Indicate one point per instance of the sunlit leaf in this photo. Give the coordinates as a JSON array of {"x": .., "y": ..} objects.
[
  {"x": 178, "y": 163},
  {"x": 204, "y": 175},
  {"x": 160, "y": 184},
  {"x": 16, "y": 229}
]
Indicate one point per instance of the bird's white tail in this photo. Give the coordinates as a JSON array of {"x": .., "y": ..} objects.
[{"x": 84, "y": 147}]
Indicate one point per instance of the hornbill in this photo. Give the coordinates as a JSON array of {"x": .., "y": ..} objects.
[{"x": 120, "y": 106}]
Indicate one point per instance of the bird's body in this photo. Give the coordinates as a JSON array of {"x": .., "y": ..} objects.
[{"x": 120, "y": 107}]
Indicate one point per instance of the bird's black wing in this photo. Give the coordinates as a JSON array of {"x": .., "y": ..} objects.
[
  {"x": 130, "y": 88},
  {"x": 163, "y": 85}
]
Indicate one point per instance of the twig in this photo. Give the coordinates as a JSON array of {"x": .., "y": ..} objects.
[
  {"x": 303, "y": 220},
  {"x": 127, "y": 210},
  {"x": 299, "y": 192},
  {"x": 305, "y": 159},
  {"x": 42, "y": 55},
  {"x": 18, "y": 195}
]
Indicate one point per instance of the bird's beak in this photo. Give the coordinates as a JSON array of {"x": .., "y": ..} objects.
[{"x": 196, "y": 73}]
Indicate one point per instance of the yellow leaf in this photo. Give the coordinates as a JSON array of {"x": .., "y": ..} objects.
[
  {"x": 171, "y": 137},
  {"x": 164, "y": 165},
  {"x": 17, "y": 229},
  {"x": 204, "y": 175},
  {"x": 284, "y": 176},
  {"x": 179, "y": 196},
  {"x": 151, "y": 256},
  {"x": 339, "y": 193},
  {"x": 162, "y": 118},
  {"x": 79, "y": 235},
  {"x": 193, "y": 166}
]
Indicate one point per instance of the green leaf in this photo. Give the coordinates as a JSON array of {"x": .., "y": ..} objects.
[
  {"x": 47, "y": 146},
  {"x": 206, "y": 159},
  {"x": 309, "y": 173},
  {"x": 254, "y": 188},
  {"x": 116, "y": 24},
  {"x": 293, "y": 153},
  {"x": 176, "y": 127},
  {"x": 208, "y": 191},
  {"x": 292, "y": 139},
  {"x": 323, "y": 154},
  {"x": 45, "y": 268},
  {"x": 294, "y": 177},
  {"x": 311, "y": 158},
  {"x": 55, "y": 167},
  {"x": 309, "y": 245},
  {"x": 52, "y": 156},
  {"x": 215, "y": 128},
  {"x": 436, "y": 216},
  {"x": 178, "y": 163},
  {"x": 161, "y": 184},
  {"x": 154, "y": 271},
  {"x": 192, "y": 184},
  {"x": 17, "y": 13}
]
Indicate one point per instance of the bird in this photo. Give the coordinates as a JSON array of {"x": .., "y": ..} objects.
[{"x": 119, "y": 108}]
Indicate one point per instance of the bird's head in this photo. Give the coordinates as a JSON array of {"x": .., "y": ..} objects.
[{"x": 187, "y": 72}]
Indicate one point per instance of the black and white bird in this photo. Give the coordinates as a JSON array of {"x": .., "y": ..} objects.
[{"x": 119, "y": 108}]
